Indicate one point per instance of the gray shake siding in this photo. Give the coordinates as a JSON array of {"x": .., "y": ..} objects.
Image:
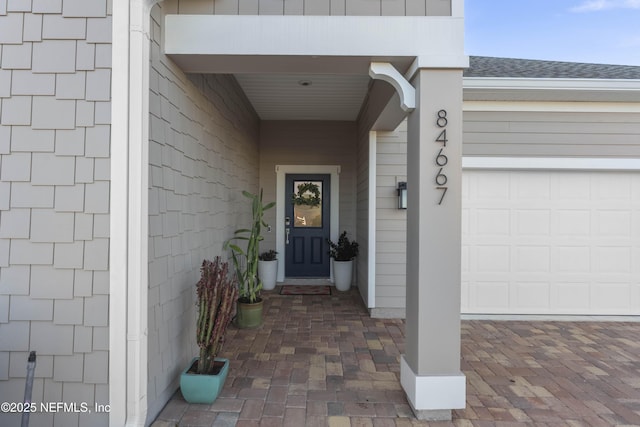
[
  {"x": 55, "y": 84},
  {"x": 203, "y": 151},
  {"x": 315, "y": 7}
]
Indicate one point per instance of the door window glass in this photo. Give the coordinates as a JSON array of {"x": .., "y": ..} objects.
[{"x": 307, "y": 207}]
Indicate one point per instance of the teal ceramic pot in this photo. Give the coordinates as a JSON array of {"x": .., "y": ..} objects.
[{"x": 198, "y": 388}]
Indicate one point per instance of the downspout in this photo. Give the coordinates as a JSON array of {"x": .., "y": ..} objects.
[{"x": 128, "y": 306}]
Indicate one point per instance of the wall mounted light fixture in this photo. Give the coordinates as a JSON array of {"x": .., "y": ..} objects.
[{"x": 402, "y": 195}]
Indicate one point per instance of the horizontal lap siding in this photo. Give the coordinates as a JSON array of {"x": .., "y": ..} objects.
[
  {"x": 550, "y": 134},
  {"x": 312, "y": 7},
  {"x": 390, "y": 221}
]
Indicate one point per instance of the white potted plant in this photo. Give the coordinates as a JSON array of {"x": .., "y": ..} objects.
[
  {"x": 268, "y": 269},
  {"x": 343, "y": 254}
]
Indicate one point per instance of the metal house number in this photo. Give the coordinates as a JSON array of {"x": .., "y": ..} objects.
[{"x": 441, "y": 159}]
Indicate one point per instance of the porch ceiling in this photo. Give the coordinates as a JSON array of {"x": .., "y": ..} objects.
[
  {"x": 305, "y": 96},
  {"x": 270, "y": 55}
]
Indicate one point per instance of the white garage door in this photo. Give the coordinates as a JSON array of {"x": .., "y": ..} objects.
[{"x": 560, "y": 242}]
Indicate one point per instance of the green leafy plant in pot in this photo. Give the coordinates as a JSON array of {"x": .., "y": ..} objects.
[
  {"x": 245, "y": 261},
  {"x": 343, "y": 252},
  {"x": 270, "y": 255},
  {"x": 216, "y": 291}
]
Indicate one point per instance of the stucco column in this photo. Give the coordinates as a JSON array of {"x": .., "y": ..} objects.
[{"x": 430, "y": 367}]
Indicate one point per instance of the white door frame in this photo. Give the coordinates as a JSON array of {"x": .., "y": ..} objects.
[{"x": 281, "y": 172}]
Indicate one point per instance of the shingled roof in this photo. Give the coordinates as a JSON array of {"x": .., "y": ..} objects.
[{"x": 484, "y": 66}]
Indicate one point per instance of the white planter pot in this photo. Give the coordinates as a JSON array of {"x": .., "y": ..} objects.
[
  {"x": 267, "y": 272},
  {"x": 342, "y": 274}
]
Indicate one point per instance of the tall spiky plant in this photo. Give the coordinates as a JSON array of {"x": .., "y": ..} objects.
[
  {"x": 216, "y": 293},
  {"x": 245, "y": 261}
]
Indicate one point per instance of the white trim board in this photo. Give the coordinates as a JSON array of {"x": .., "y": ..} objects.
[
  {"x": 311, "y": 44},
  {"x": 552, "y": 106},
  {"x": 281, "y": 172},
  {"x": 550, "y": 163},
  {"x": 314, "y": 35},
  {"x": 371, "y": 247},
  {"x": 550, "y": 318},
  {"x": 435, "y": 392}
]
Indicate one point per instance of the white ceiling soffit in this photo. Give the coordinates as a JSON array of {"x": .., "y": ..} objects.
[{"x": 305, "y": 96}]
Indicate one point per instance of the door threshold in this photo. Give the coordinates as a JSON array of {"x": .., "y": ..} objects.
[{"x": 311, "y": 281}]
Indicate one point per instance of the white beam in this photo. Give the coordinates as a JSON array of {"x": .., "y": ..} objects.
[{"x": 252, "y": 43}]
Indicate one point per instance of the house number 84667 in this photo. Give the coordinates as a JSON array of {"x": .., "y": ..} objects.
[{"x": 441, "y": 159}]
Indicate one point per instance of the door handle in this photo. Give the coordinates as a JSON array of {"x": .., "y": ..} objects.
[{"x": 286, "y": 235}]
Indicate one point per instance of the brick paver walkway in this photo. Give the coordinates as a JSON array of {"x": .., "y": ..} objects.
[{"x": 322, "y": 361}]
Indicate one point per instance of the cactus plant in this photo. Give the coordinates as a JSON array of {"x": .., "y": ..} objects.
[
  {"x": 216, "y": 293},
  {"x": 245, "y": 261}
]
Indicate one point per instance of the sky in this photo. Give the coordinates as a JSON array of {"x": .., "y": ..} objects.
[{"x": 595, "y": 31}]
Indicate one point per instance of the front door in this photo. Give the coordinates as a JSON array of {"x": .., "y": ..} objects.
[{"x": 307, "y": 225}]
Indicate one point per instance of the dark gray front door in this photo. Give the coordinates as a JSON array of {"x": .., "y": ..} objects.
[{"x": 306, "y": 248}]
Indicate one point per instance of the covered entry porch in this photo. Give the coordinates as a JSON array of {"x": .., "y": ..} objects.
[
  {"x": 208, "y": 139},
  {"x": 277, "y": 65}
]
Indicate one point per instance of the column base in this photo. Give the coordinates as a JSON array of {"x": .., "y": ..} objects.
[{"x": 433, "y": 397}]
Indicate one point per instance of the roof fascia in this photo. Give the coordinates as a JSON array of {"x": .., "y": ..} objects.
[
  {"x": 512, "y": 83},
  {"x": 521, "y": 89}
]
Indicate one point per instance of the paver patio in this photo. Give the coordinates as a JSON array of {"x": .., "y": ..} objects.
[{"x": 322, "y": 361}]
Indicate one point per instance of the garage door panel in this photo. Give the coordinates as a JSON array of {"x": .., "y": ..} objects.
[
  {"x": 532, "y": 222},
  {"x": 465, "y": 257},
  {"x": 532, "y": 259},
  {"x": 532, "y": 295},
  {"x": 492, "y": 296},
  {"x": 613, "y": 260},
  {"x": 570, "y": 297},
  {"x": 525, "y": 189},
  {"x": 612, "y": 297},
  {"x": 492, "y": 258},
  {"x": 493, "y": 222},
  {"x": 613, "y": 186},
  {"x": 572, "y": 259},
  {"x": 613, "y": 223},
  {"x": 571, "y": 222},
  {"x": 551, "y": 242},
  {"x": 570, "y": 186},
  {"x": 490, "y": 186}
]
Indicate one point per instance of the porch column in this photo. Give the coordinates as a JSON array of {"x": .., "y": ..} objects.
[{"x": 430, "y": 367}]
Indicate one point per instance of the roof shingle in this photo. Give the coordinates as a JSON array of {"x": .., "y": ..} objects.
[{"x": 484, "y": 66}]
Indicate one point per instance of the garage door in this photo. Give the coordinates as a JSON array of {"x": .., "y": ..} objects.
[{"x": 559, "y": 242}]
